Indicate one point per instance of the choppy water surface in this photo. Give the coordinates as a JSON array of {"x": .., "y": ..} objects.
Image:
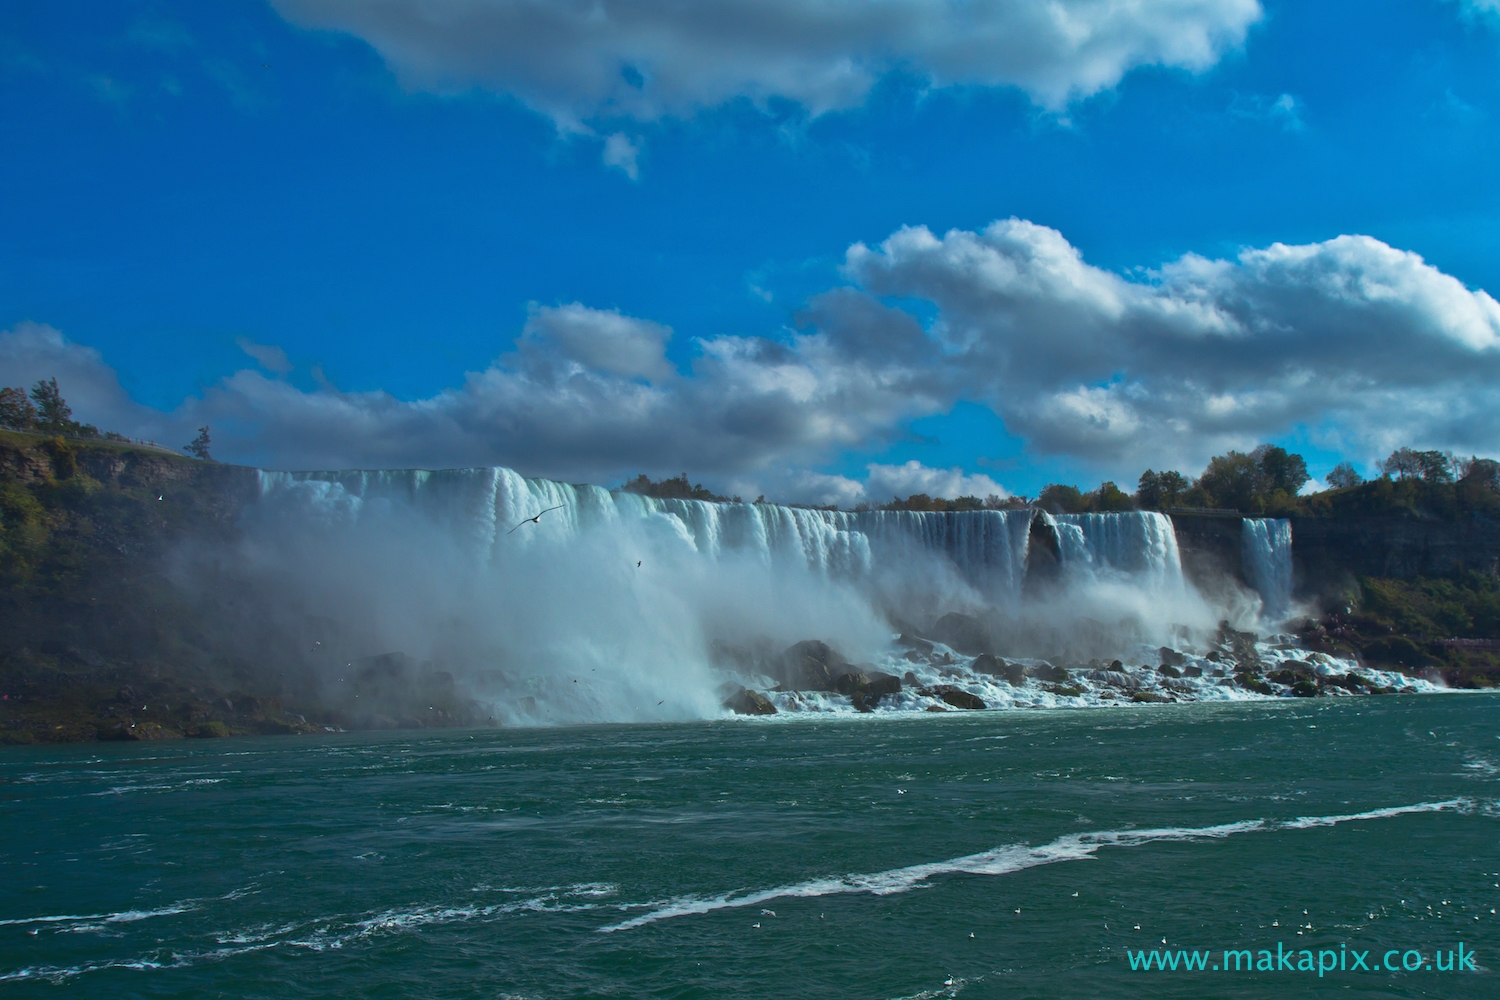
[{"x": 986, "y": 854}]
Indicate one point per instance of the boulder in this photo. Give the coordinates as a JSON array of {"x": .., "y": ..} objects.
[
  {"x": 1047, "y": 672},
  {"x": 880, "y": 684},
  {"x": 1167, "y": 670},
  {"x": 986, "y": 663},
  {"x": 914, "y": 643},
  {"x": 747, "y": 702},
  {"x": 209, "y": 730},
  {"x": 963, "y": 633},
  {"x": 811, "y": 665},
  {"x": 1192, "y": 671},
  {"x": 910, "y": 678},
  {"x": 850, "y": 682},
  {"x": 959, "y": 698},
  {"x": 1170, "y": 657}
]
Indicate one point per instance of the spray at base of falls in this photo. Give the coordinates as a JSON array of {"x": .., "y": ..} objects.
[{"x": 621, "y": 607}]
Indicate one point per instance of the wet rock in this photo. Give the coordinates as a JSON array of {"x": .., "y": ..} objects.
[
  {"x": 1167, "y": 670},
  {"x": 1252, "y": 683},
  {"x": 986, "y": 663},
  {"x": 209, "y": 730},
  {"x": 911, "y": 679},
  {"x": 880, "y": 684},
  {"x": 963, "y": 633},
  {"x": 1305, "y": 689},
  {"x": 1170, "y": 657},
  {"x": 1148, "y": 698},
  {"x": 936, "y": 708},
  {"x": 747, "y": 702},
  {"x": 1214, "y": 656},
  {"x": 914, "y": 643},
  {"x": 959, "y": 698},
  {"x": 811, "y": 665},
  {"x": 1192, "y": 671},
  {"x": 1116, "y": 665},
  {"x": 1064, "y": 690},
  {"x": 850, "y": 682},
  {"x": 1047, "y": 672}
]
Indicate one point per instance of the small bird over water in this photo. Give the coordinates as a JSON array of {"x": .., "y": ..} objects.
[{"x": 538, "y": 518}]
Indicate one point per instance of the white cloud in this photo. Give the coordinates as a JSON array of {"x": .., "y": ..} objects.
[
  {"x": 1363, "y": 346},
  {"x": 269, "y": 357},
  {"x": 887, "y": 481},
  {"x": 1200, "y": 355},
  {"x": 587, "y": 60},
  {"x": 621, "y": 151}
]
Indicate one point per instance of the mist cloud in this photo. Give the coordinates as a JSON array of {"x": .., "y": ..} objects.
[{"x": 584, "y": 60}]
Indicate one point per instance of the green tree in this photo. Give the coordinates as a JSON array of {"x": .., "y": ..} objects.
[
  {"x": 52, "y": 412},
  {"x": 1232, "y": 480},
  {"x": 1160, "y": 490},
  {"x": 1061, "y": 499},
  {"x": 16, "y": 411},
  {"x": 1343, "y": 476},
  {"x": 198, "y": 447},
  {"x": 1428, "y": 466},
  {"x": 1279, "y": 470},
  {"x": 1109, "y": 497}
]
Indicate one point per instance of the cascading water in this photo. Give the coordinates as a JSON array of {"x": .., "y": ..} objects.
[
  {"x": 1266, "y": 549},
  {"x": 620, "y": 607},
  {"x": 1138, "y": 544}
]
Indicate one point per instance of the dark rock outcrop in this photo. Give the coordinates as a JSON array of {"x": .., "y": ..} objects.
[
  {"x": 1013, "y": 673},
  {"x": 1048, "y": 672},
  {"x": 811, "y": 665},
  {"x": 747, "y": 702},
  {"x": 959, "y": 698}
]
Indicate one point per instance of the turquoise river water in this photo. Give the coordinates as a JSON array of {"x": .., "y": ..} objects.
[{"x": 987, "y": 854}]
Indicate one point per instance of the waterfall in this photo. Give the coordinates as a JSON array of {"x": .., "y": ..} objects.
[
  {"x": 620, "y": 606},
  {"x": 988, "y": 547},
  {"x": 1266, "y": 548},
  {"x": 1139, "y": 544}
]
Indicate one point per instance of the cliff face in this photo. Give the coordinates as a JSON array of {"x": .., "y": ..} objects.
[{"x": 1399, "y": 546}]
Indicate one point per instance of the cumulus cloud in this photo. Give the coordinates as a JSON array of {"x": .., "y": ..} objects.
[
  {"x": 621, "y": 152},
  {"x": 1361, "y": 345},
  {"x": 1198, "y": 355},
  {"x": 583, "y": 60},
  {"x": 585, "y": 395},
  {"x": 887, "y": 481},
  {"x": 269, "y": 357}
]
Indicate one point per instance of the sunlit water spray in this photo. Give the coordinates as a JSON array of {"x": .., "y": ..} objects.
[{"x": 620, "y": 607}]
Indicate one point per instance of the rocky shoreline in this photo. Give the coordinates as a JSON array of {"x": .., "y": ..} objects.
[{"x": 953, "y": 667}]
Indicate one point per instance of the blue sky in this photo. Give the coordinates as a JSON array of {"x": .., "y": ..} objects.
[{"x": 392, "y": 207}]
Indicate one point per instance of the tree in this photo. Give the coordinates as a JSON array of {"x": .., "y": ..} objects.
[
  {"x": 1343, "y": 476},
  {"x": 1484, "y": 471},
  {"x": 1160, "y": 490},
  {"x": 1232, "y": 480},
  {"x": 52, "y": 412},
  {"x": 198, "y": 447},
  {"x": 1109, "y": 497},
  {"x": 16, "y": 411},
  {"x": 1428, "y": 466},
  {"x": 1061, "y": 499},
  {"x": 1279, "y": 470}
]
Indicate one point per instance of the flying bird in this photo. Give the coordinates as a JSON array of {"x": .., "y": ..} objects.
[{"x": 538, "y": 518}]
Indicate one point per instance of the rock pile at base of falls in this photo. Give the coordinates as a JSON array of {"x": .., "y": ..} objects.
[{"x": 747, "y": 702}]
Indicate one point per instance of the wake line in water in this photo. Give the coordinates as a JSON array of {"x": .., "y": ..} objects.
[{"x": 1013, "y": 858}]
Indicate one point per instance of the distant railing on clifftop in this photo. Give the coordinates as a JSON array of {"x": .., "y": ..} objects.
[
  {"x": 1470, "y": 643},
  {"x": 1205, "y": 511}
]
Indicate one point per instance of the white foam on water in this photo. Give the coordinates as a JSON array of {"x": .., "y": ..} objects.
[
  {"x": 1008, "y": 859},
  {"x": 122, "y": 917}
]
